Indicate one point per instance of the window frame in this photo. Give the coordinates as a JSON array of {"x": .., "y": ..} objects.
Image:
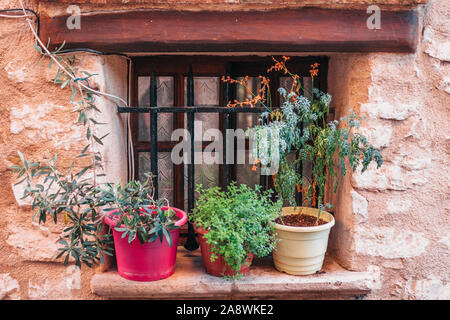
[{"x": 179, "y": 66}]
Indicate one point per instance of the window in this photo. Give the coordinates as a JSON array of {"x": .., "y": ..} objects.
[{"x": 177, "y": 82}]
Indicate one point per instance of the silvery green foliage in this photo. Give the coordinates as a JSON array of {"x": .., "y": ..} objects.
[
  {"x": 268, "y": 143},
  {"x": 302, "y": 127}
]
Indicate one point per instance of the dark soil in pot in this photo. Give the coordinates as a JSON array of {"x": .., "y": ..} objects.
[{"x": 299, "y": 220}]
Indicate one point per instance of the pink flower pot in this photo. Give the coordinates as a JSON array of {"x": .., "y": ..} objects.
[
  {"x": 146, "y": 262},
  {"x": 219, "y": 267}
]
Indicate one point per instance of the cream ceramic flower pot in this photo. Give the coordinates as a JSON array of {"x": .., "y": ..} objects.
[{"x": 301, "y": 250}]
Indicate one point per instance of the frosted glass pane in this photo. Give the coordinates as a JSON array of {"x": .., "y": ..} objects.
[
  {"x": 245, "y": 174},
  {"x": 205, "y": 174},
  {"x": 165, "y": 173},
  {"x": 307, "y": 86},
  {"x": 165, "y": 96},
  {"x": 206, "y": 92}
]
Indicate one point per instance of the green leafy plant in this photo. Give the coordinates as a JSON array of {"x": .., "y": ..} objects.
[
  {"x": 238, "y": 221},
  {"x": 137, "y": 214},
  {"x": 299, "y": 128}
]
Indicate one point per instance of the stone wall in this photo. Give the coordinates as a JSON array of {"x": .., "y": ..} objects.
[
  {"x": 400, "y": 216},
  {"x": 36, "y": 117},
  {"x": 395, "y": 218}
]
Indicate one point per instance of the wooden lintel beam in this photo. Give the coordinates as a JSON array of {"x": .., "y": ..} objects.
[{"x": 299, "y": 30}]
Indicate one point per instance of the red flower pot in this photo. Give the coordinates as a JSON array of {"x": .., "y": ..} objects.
[
  {"x": 146, "y": 262},
  {"x": 219, "y": 267}
]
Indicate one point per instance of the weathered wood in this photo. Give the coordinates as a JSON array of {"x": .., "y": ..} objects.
[{"x": 307, "y": 30}]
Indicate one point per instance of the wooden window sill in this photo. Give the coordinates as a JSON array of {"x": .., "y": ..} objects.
[{"x": 190, "y": 281}]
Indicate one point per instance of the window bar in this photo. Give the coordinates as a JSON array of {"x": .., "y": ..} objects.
[
  {"x": 227, "y": 169},
  {"x": 263, "y": 178},
  {"x": 227, "y": 125},
  {"x": 154, "y": 133},
  {"x": 191, "y": 168},
  {"x": 187, "y": 109},
  {"x": 191, "y": 244}
]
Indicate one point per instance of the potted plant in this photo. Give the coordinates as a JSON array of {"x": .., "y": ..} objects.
[
  {"x": 233, "y": 226},
  {"x": 297, "y": 132},
  {"x": 145, "y": 231}
]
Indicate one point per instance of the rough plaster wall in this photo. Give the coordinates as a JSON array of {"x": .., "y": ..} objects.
[
  {"x": 396, "y": 218},
  {"x": 36, "y": 116},
  {"x": 400, "y": 219}
]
